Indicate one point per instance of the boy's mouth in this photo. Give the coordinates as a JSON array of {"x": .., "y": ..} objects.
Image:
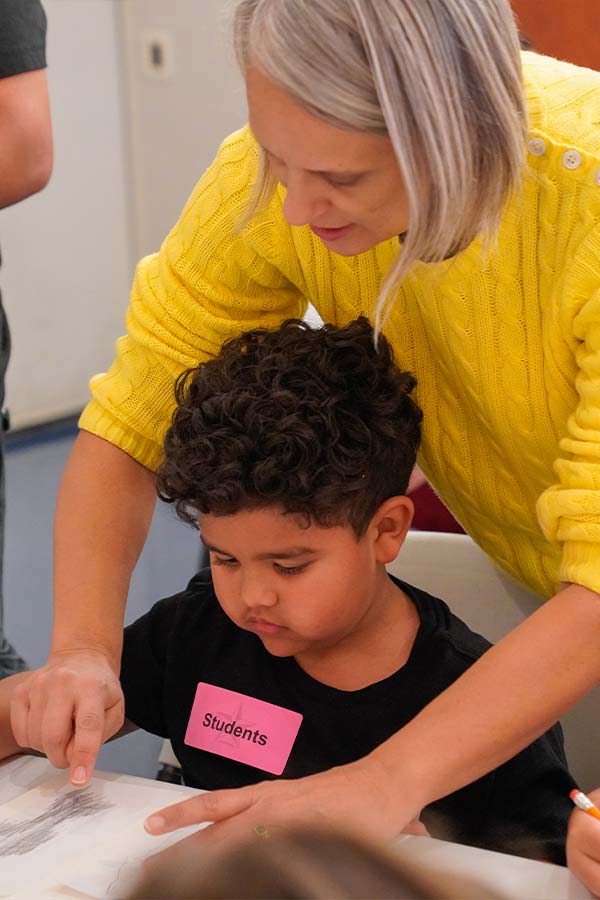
[{"x": 261, "y": 626}]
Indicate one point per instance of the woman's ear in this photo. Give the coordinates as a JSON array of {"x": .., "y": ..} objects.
[{"x": 390, "y": 524}]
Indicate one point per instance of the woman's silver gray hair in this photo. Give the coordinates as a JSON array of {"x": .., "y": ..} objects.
[{"x": 441, "y": 78}]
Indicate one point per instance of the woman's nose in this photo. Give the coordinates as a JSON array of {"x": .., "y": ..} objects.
[{"x": 303, "y": 202}]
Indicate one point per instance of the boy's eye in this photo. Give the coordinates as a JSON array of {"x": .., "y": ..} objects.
[
  {"x": 220, "y": 561},
  {"x": 291, "y": 570}
]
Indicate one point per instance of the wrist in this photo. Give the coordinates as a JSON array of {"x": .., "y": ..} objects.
[
  {"x": 86, "y": 648},
  {"x": 401, "y": 778}
]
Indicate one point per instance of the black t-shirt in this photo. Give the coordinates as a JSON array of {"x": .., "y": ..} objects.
[
  {"x": 522, "y": 807},
  {"x": 22, "y": 37}
]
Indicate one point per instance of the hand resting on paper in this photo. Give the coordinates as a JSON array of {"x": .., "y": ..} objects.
[
  {"x": 355, "y": 796},
  {"x": 67, "y": 709}
]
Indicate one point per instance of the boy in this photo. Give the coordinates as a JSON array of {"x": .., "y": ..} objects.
[{"x": 291, "y": 451}]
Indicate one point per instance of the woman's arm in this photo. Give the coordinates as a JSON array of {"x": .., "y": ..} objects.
[
  {"x": 103, "y": 514},
  {"x": 104, "y": 510},
  {"x": 503, "y": 702}
]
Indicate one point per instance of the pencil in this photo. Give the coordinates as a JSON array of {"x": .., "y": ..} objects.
[{"x": 583, "y": 802}]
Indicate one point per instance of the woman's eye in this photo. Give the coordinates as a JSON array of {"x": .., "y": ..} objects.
[
  {"x": 342, "y": 182},
  {"x": 291, "y": 570}
]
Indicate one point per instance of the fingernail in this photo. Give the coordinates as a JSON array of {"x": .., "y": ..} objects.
[
  {"x": 154, "y": 823},
  {"x": 79, "y": 776}
]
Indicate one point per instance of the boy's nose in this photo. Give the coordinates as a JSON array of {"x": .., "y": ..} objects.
[{"x": 257, "y": 594}]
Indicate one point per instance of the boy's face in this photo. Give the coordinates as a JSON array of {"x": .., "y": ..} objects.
[{"x": 301, "y": 589}]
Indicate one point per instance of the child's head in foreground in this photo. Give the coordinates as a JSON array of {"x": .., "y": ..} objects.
[
  {"x": 301, "y": 864},
  {"x": 292, "y": 452}
]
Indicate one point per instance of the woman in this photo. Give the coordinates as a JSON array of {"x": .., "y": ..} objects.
[{"x": 373, "y": 120}]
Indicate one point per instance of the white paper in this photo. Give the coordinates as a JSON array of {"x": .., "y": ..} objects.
[
  {"x": 21, "y": 773},
  {"x": 90, "y": 840}
]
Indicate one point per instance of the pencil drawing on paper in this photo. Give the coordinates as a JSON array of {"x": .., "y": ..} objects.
[{"x": 21, "y": 837}]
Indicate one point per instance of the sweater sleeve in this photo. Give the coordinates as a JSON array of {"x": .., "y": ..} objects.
[
  {"x": 211, "y": 280},
  {"x": 569, "y": 510}
]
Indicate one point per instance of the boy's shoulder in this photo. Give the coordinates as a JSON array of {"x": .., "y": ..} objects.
[
  {"x": 196, "y": 600},
  {"x": 191, "y": 611},
  {"x": 443, "y": 631}
]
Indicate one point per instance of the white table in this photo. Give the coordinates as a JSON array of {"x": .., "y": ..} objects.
[
  {"x": 513, "y": 877},
  {"x": 90, "y": 852}
]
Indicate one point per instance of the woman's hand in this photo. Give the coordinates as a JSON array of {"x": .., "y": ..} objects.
[
  {"x": 354, "y": 796},
  {"x": 583, "y": 846},
  {"x": 67, "y": 709}
]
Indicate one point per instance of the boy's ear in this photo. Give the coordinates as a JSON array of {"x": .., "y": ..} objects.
[{"x": 390, "y": 523}]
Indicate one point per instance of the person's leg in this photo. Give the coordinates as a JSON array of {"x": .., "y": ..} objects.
[{"x": 10, "y": 661}]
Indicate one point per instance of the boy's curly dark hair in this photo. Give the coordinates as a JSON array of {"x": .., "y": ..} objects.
[{"x": 315, "y": 421}]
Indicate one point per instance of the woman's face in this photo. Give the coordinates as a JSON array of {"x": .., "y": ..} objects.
[{"x": 345, "y": 185}]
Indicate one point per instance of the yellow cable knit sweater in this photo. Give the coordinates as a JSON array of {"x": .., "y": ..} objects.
[{"x": 505, "y": 343}]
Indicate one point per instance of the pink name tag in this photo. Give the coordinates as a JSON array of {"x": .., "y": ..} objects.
[{"x": 243, "y": 728}]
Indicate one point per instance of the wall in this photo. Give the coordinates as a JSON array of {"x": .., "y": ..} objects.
[
  {"x": 67, "y": 259},
  {"x": 129, "y": 149},
  {"x": 565, "y": 30},
  {"x": 177, "y": 122}
]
